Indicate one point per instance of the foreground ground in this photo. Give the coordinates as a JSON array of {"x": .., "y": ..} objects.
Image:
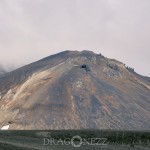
[{"x": 34, "y": 140}]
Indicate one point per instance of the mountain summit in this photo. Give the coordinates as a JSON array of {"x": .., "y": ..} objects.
[{"x": 75, "y": 90}]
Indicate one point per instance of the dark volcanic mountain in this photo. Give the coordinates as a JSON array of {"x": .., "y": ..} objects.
[{"x": 75, "y": 90}]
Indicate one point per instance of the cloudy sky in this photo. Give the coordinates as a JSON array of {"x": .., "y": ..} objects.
[{"x": 33, "y": 29}]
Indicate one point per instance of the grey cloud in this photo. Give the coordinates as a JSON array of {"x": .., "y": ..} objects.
[{"x": 33, "y": 29}]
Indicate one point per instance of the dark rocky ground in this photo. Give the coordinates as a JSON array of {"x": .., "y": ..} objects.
[{"x": 75, "y": 90}]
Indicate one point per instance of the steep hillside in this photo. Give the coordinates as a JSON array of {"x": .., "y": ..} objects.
[{"x": 75, "y": 90}]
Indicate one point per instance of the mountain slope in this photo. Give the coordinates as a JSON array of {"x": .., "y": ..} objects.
[{"x": 75, "y": 90}]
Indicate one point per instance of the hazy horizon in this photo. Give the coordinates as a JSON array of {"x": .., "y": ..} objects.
[{"x": 118, "y": 29}]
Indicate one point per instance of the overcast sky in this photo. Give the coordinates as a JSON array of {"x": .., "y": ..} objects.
[{"x": 33, "y": 29}]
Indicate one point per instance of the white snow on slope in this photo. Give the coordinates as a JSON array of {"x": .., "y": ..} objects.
[{"x": 5, "y": 127}]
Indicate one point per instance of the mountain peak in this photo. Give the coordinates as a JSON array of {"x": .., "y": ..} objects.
[{"x": 75, "y": 90}]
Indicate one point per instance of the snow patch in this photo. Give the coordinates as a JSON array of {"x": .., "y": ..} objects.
[{"x": 5, "y": 127}]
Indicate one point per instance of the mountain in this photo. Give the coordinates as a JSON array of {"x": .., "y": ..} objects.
[
  {"x": 75, "y": 90},
  {"x": 2, "y": 70}
]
